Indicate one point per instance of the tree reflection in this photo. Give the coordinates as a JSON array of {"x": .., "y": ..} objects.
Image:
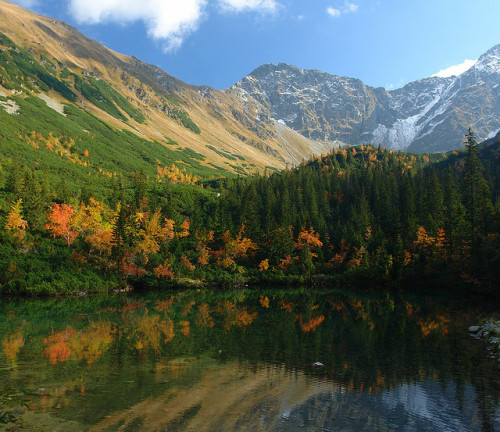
[
  {"x": 367, "y": 343},
  {"x": 12, "y": 344}
]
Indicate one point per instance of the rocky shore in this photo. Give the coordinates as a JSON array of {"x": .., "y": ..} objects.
[{"x": 489, "y": 331}]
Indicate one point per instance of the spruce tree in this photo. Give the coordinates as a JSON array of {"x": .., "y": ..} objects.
[
  {"x": 477, "y": 195},
  {"x": 33, "y": 203},
  {"x": 14, "y": 181}
]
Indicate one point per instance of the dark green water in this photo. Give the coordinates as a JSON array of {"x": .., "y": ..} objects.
[{"x": 242, "y": 361}]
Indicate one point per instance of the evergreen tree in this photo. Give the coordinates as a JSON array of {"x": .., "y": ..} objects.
[
  {"x": 33, "y": 204},
  {"x": 477, "y": 195},
  {"x": 454, "y": 211},
  {"x": 62, "y": 191},
  {"x": 14, "y": 181}
]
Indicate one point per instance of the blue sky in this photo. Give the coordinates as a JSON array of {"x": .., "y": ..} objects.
[{"x": 384, "y": 43}]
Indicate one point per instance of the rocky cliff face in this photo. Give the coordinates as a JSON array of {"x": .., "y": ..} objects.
[{"x": 426, "y": 115}]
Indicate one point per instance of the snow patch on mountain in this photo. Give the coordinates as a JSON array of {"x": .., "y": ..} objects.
[
  {"x": 489, "y": 62},
  {"x": 456, "y": 69},
  {"x": 403, "y": 132},
  {"x": 424, "y": 115},
  {"x": 493, "y": 134}
]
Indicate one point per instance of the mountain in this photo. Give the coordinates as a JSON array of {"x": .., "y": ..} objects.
[
  {"x": 208, "y": 131},
  {"x": 70, "y": 102},
  {"x": 429, "y": 115}
]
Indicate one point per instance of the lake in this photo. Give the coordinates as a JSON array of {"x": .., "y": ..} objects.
[{"x": 244, "y": 360}]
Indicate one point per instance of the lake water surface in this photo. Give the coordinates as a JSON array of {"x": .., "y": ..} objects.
[{"x": 243, "y": 361}]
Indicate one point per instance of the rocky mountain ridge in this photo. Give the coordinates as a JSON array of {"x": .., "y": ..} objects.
[
  {"x": 426, "y": 115},
  {"x": 278, "y": 115}
]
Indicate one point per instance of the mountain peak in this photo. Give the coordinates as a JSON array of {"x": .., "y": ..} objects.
[
  {"x": 489, "y": 62},
  {"x": 419, "y": 117}
]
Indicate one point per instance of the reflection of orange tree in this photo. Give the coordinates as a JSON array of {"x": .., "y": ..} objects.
[
  {"x": 148, "y": 331},
  {"x": 203, "y": 318},
  {"x": 286, "y": 305},
  {"x": 429, "y": 325},
  {"x": 12, "y": 344},
  {"x": 88, "y": 344},
  {"x": 132, "y": 306},
  {"x": 57, "y": 349},
  {"x": 185, "y": 328},
  {"x": 164, "y": 305},
  {"x": 92, "y": 342},
  {"x": 234, "y": 315},
  {"x": 264, "y": 302},
  {"x": 311, "y": 324}
]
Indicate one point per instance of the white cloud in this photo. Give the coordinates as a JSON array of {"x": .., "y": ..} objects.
[
  {"x": 167, "y": 20},
  {"x": 350, "y": 7},
  {"x": 170, "y": 21},
  {"x": 347, "y": 8},
  {"x": 247, "y": 5},
  {"x": 333, "y": 12},
  {"x": 455, "y": 70}
]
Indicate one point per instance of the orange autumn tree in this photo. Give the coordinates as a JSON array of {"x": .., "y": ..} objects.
[
  {"x": 147, "y": 234},
  {"x": 186, "y": 264},
  {"x": 202, "y": 246},
  {"x": 98, "y": 233},
  {"x": 264, "y": 265},
  {"x": 424, "y": 241},
  {"x": 151, "y": 233},
  {"x": 185, "y": 229},
  {"x": 308, "y": 238},
  {"x": 168, "y": 232},
  {"x": 164, "y": 271},
  {"x": 61, "y": 222},
  {"x": 15, "y": 223},
  {"x": 307, "y": 241},
  {"x": 239, "y": 247}
]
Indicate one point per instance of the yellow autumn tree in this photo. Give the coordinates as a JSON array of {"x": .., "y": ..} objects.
[
  {"x": 264, "y": 265},
  {"x": 15, "y": 223},
  {"x": 239, "y": 247}
]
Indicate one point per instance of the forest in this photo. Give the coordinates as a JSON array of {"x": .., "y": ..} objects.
[{"x": 359, "y": 215}]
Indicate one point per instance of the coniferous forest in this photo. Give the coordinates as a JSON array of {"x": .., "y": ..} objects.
[{"x": 358, "y": 215}]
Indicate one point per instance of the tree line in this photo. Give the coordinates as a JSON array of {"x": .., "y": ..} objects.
[{"x": 353, "y": 214}]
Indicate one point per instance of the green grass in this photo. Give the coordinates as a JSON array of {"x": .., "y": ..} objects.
[
  {"x": 185, "y": 120},
  {"x": 222, "y": 153},
  {"x": 110, "y": 150},
  {"x": 18, "y": 66}
]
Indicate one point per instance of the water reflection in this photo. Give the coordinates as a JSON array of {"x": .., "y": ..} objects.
[{"x": 217, "y": 361}]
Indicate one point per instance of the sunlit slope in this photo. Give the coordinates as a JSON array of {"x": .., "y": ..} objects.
[{"x": 70, "y": 71}]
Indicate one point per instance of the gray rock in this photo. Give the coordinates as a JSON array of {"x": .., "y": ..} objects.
[
  {"x": 420, "y": 117},
  {"x": 488, "y": 326},
  {"x": 474, "y": 329}
]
